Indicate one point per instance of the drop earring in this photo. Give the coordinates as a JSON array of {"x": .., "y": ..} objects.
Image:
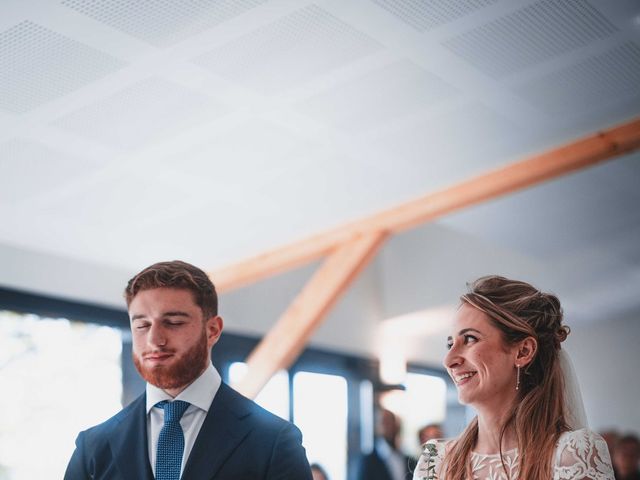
[{"x": 518, "y": 377}]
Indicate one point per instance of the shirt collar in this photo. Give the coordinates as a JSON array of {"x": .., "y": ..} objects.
[
  {"x": 384, "y": 449},
  {"x": 200, "y": 393}
]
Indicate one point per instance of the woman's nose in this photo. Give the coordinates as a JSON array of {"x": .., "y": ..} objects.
[{"x": 452, "y": 358}]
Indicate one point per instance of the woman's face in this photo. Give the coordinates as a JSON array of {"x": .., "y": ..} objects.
[{"x": 480, "y": 363}]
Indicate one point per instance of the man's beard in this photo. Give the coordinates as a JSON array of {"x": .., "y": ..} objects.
[{"x": 183, "y": 371}]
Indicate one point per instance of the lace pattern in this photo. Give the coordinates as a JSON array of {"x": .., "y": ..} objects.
[{"x": 580, "y": 455}]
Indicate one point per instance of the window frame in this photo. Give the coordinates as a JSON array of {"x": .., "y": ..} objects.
[{"x": 234, "y": 347}]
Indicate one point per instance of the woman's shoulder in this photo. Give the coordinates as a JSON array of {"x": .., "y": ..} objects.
[
  {"x": 582, "y": 436},
  {"x": 585, "y": 451}
]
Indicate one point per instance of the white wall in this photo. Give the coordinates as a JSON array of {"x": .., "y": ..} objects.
[
  {"x": 607, "y": 361},
  {"x": 349, "y": 326},
  {"x": 52, "y": 275}
]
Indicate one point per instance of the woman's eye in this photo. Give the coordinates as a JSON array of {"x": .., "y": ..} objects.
[
  {"x": 449, "y": 345},
  {"x": 469, "y": 339}
]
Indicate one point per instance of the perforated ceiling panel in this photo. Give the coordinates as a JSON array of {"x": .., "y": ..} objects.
[
  {"x": 439, "y": 150},
  {"x": 609, "y": 77},
  {"x": 229, "y": 160},
  {"x": 141, "y": 113},
  {"x": 129, "y": 197},
  {"x": 424, "y": 16},
  {"x": 589, "y": 211},
  {"x": 377, "y": 98},
  {"x": 289, "y": 51},
  {"x": 161, "y": 22},
  {"x": 38, "y": 65},
  {"x": 531, "y": 35},
  {"x": 44, "y": 168}
]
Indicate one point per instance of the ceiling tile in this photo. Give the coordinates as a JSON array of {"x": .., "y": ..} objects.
[
  {"x": 254, "y": 152},
  {"x": 447, "y": 148},
  {"x": 294, "y": 49},
  {"x": 122, "y": 197},
  {"x": 587, "y": 210},
  {"x": 612, "y": 76},
  {"x": 38, "y": 65},
  {"x": 380, "y": 96},
  {"x": 28, "y": 168},
  {"x": 149, "y": 110},
  {"x": 160, "y": 22},
  {"x": 424, "y": 16},
  {"x": 533, "y": 34}
]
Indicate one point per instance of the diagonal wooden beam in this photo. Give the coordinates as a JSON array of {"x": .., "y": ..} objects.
[
  {"x": 288, "y": 337},
  {"x": 590, "y": 150}
]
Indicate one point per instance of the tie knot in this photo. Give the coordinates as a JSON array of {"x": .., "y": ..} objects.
[{"x": 173, "y": 411}]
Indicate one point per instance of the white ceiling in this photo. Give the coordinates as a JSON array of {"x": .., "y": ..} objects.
[{"x": 132, "y": 132}]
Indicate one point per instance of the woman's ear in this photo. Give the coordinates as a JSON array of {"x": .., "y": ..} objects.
[{"x": 526, "y": 352}]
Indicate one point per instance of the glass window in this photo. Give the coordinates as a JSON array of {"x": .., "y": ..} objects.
[
  {"x": 275, "y": 394},
  {"x": 423, "y": 402},
  {"x": 58, "y": 377},
  {"x": 320, "y": 411},
  {"x": 367, "y": 420}
]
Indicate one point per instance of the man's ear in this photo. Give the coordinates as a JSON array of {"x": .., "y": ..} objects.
[
  {"x": 214, "y": 327},
  {"x": 526, "y": 352}
]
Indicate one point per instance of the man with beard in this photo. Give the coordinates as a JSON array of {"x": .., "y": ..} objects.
[{"x": 188, "y": 424}]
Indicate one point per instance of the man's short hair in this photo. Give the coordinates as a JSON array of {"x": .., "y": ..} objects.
[{"x": 179, "y": 275}]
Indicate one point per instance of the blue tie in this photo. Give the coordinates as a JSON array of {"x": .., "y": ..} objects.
[{"x": 171, "y": 441}]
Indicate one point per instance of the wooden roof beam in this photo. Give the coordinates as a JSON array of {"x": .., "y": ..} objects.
[
  {"x": 288, "y": 337},
  {"x": 590, "y": 150}
]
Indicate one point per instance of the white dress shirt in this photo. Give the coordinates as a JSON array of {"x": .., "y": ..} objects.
[
  {"x": 199, "y": 394},
  {"x": 396, "y": 462}
]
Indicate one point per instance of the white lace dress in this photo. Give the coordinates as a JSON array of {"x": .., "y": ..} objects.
[{"x": 580, "y": 455}]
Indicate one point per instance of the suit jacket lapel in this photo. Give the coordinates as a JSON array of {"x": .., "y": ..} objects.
[
  {"x": 129, "y": 442},
  {"x": 223, "y": 429}
]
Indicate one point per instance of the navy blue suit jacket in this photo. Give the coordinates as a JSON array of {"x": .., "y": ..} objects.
[
  {"x": 238, "y": 441},
  {"x": 373, "y": 467}
]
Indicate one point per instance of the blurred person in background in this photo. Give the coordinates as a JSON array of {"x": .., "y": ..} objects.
[
  {"x": 386, "y": 461},
  {"x": 611, "y": 437},
  {"x": 433, "y": 431},
  {"x": 626, "y": 456},
  {"x": 318, "y": 472}
]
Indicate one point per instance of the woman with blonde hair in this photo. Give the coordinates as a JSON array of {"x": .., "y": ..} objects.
[{"x": 507, "y": 363}]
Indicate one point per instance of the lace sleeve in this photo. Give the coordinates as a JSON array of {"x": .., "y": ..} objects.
[
  {"x": 582, "y": 455},
  {"x": 430, "y": 460}
]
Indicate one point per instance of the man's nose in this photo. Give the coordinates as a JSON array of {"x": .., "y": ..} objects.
[{"x": 156, "y": 337}]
